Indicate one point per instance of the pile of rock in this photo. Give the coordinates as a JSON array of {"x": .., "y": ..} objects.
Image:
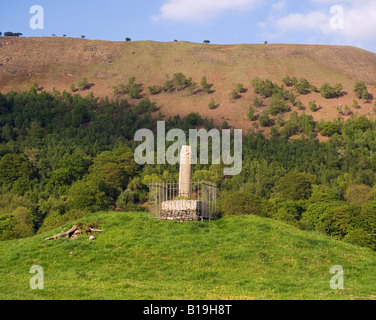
[{"x": 180, "y": 215}]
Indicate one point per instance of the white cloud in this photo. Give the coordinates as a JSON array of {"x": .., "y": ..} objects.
[
  {"x": 359, "y": 22},
  {"x": 199, "y": 10},
  {"x": 296, "y": 21}
]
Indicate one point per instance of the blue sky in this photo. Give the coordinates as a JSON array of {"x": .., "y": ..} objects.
[{"x": 220, "y": 21}]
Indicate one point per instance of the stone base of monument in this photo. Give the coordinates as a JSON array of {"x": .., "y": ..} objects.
[{"x": 183, "y": 210}]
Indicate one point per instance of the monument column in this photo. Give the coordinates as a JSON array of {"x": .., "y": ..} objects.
[{"x": 185, "y": 174}]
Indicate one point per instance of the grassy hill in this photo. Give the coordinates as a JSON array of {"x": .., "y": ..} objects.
[
  {"x": 60, "y": 62},
  {"x": 136, "y": 257}
]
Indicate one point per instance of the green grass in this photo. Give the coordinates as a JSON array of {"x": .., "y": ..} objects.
[{"x": 137, "y": 257}]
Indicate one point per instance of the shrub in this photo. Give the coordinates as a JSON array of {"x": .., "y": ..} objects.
[
  {"x": 265, "y": 120},
  {"x": 251, "y": 114},
  {"x": 23, "y": 219},
  {"x": 361, "y": 238},
  {"x": 212, "y": 104},
  {"x": 84, "y": 84},
  {"x": 278, "y": 106},
  {"x": 313, "y": 106},
  {"x": 241, "y": 203},
  {"x": 328, "y": 129},
  {"x": 234, "y": 94},
  {"x": 155, "y": 90},
  {"x": 359, "y": 194},
  {"x": 257, "y": 103},
  {"x": 125, "y": 199},
  {"x": 287, "y": 81},
  {"x": 240, "y": 88},
  {"x": 206, "y": 87},
  {"x": 303, "y": 86},
  {"x": 288, "y": 211},
  {"x": 295, "y": 186},
  {"x": 361, "y": 90},
  {"x": 329, "y": 92}
]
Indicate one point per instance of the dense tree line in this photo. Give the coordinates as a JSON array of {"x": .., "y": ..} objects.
[{"x": 63, "y": 155}]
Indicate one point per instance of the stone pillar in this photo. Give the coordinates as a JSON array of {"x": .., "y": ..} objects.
[{"x": 185, "y": 174}]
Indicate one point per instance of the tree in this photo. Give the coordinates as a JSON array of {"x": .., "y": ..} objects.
[
  {"x": 241, "y": 203},
  {"x": 257, "y": 103},
  {"x": 359, "y": 194},
  {"x": 128, "y": 39},
  {"x": 295, "y": 186},
  {"x": 251, "y": 114},
  {"x": 205, "y": 85},
  {"x": 90, "y": 194},
  {"x": 12, "y": 34},
  {"x": 265, "y": 120},
  {"x": 329, "y": 92},
  {"x": 234, "y": 94},
  {"x": 1, "y": 34},
  {"x": 83, "y": 36},
  {"x": 83, "y": 84},
  {"x": 278, "y": 106},
  {"x": 361, "y": 90},
  {"x": 287, "y": 81},
  {"x": 356, "y": 104},
  {"x": 24, "y": 226},
  {"x": 303, "y": 86},
  {"x": 14, "y": 167},
  {"x": 212, "y": 104},
  {"x": 206, "y": 41},
  {"x": 240, "y": 88},
  {"x": 313, "y": 106}
]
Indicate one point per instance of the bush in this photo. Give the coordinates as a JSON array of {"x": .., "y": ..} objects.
[
  {"x": 288, "y": 211},
  {"x": 251, "y": 114},
  {"x": 257, "y": 103},
  {"x": 329, "y": 92},
  {"x": 328, "y": 129},
  {"x": 295, "y": 186},
  {"x": 23, "y": 222},
  {"x": 359, "y": 194},
  {"x": 361, "y": 91},
  {"x": 155, "y": 90},
  {"x": 83, "y": 84},
  {"x": 212, "y": 104},
  {"x": 125, "y": 199},
  {"x": 278, "y": 106},
  {"x": 241, "y": 203},
  {"x": 303, "y": 86},
  {"x": 313, "y": 106},
  {"x": 234, "y": 94},
  {"x": 287, "y": 81},
  {"x": 361, "y": 238},
  {"x": 55, "y": 219},
  {"x": 240, "y": 88},
  {"x": 206, "y": 87},
  {"x": 265, "y": 120}
]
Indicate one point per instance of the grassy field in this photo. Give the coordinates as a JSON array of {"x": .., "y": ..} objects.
[{"x": 137, "y": 257}]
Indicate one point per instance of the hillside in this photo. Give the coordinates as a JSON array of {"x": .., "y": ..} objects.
[
  {"x": 59, "y": 62},
  {"x": 136, "y": 257}
]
